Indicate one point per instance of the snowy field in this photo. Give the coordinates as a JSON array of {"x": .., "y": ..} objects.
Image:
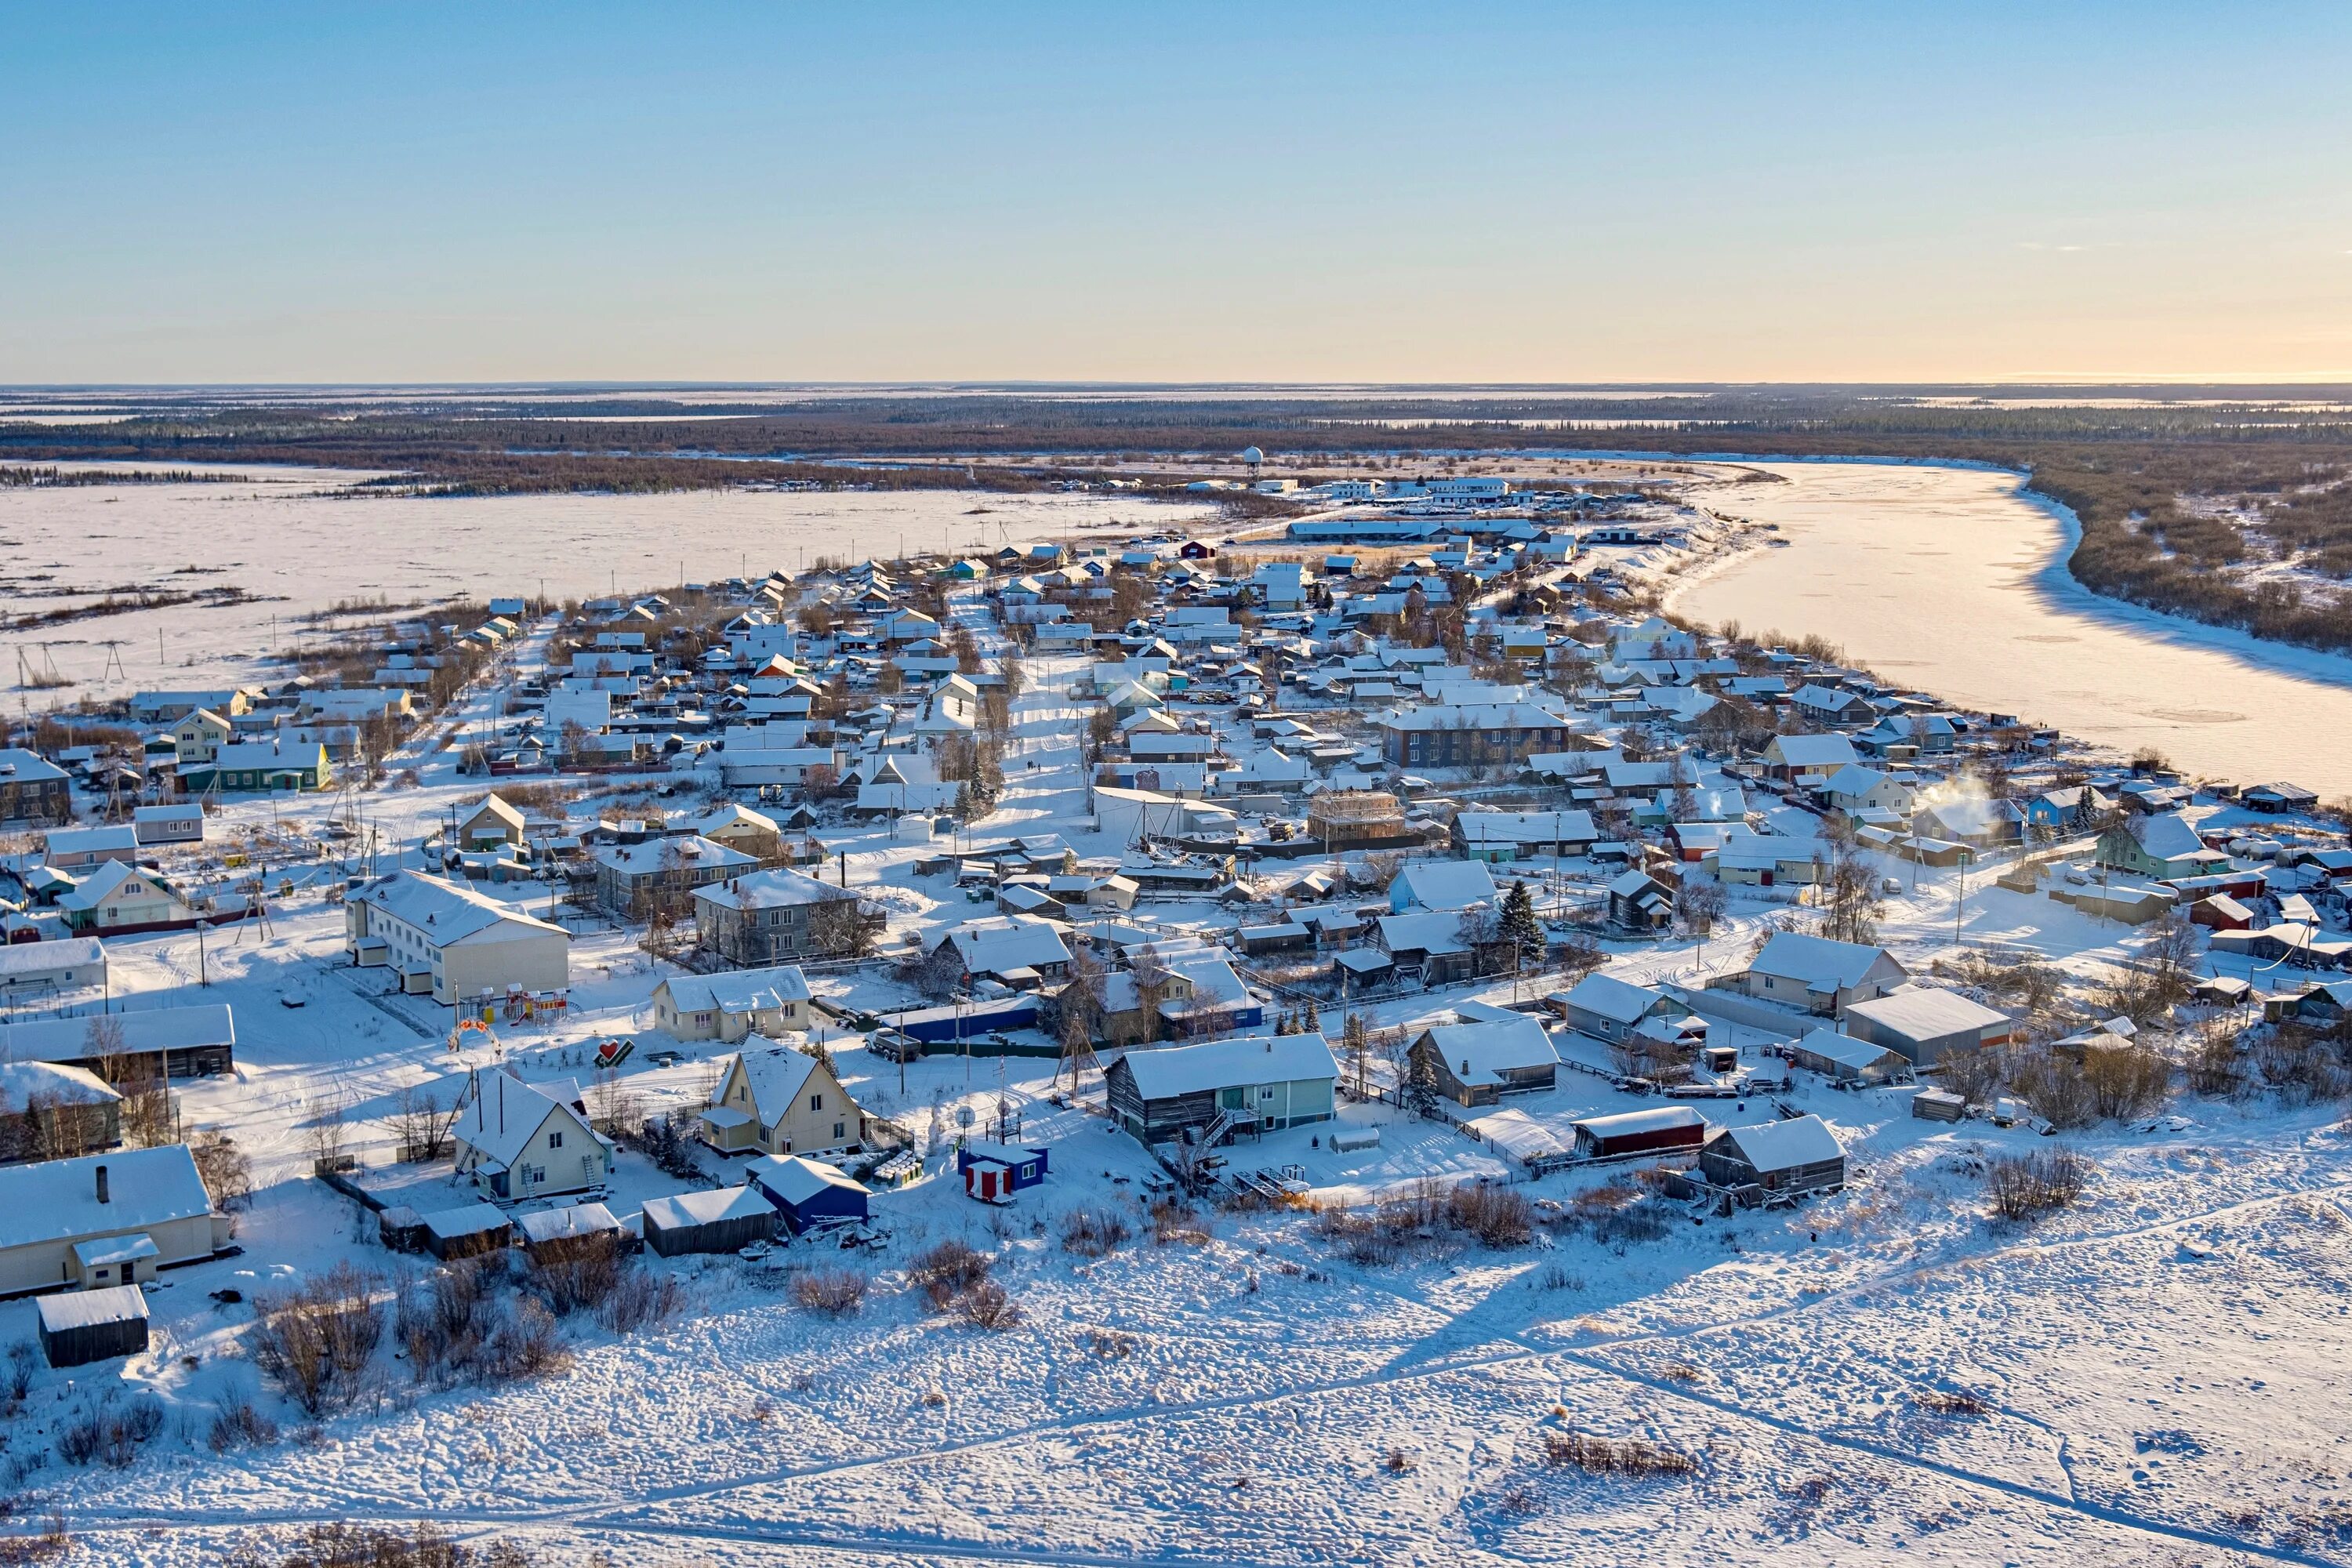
[{"x": 280, "y": 539}]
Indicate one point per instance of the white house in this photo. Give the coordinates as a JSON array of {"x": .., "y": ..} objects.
[
  {"x": 519, "y": 1142},
  {"x": 30, "y": 970},
  {"x": 727, "y": 1006},
  {"x": 102, "y": 1220},
  {"x": 446, "y": 939},
  {"x": 1819, "y": 975}
]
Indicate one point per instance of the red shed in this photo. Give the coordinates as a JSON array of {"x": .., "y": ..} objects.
[{"x": 1667, "y": 1130}]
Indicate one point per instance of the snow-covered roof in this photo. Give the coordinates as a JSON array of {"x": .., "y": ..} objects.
[
  {"x": 1526, "y": 826},
  {"x": 770, "y": 889},
  {"x": 774, "y": 1076},
  {"x": 24, "y": 958},
  {"x": 1816, "y": 961},
  {"x": 1784, "y": 1145},
  {"x": 1814, "y": 752},
  {"x": 558, "y": 1225},
  {"x": 1013, "y": 941},
  {"x": 795, "y": 1179},
  {"x": 466, "y": 1219},
  {"x": 148, "y": 1030},
  {"x": 1482, "y": 1053},
  {"x": 91, "y": 1309},
  {"x": 1167, "y": 1071},
  {"x": 55, "y": 1083},
  {"x": 1516, "y": 1133},
  {"x": 1921, "y": 1013},
  {"x": 55, "y": 1200},
  {"x": 1446, "y": 884},
  {"x": 448, "y": 911},
  {"x": 1619, "y": 1001},
  {"x": 683, "y": 1209},
  {"x": 678, "y": 853},
  {"x": 504, "y": 1112},
  {"x": 1626, "y": 1122},
  {"x": 1834, "y": 1044},
  {"x": 2168, "y": 835},
  {"x": 1437, "y": 931},
  {"x": 739, "y": 991},
  {"x": 102, "y": 883}
]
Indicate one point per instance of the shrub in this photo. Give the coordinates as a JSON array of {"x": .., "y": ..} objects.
[
  {"x": 1092, "y": 1233},
  {"x": 838, "y": 1291},
  {"x": 2024, "y": 1186},
  {"x": 239, "y": 1424},
  {"x": 316, "y": 1343},
  {"x": 1497, "y": 1216},
  {"x": 339, "y": 1546},
  {"x": 1951, "y": 1402},
  {"x": 584, "y": 1278},
  {"x": 947, "y": 1272},
  {"x": 987, "y": 1306},
  {"x": 110, "y": 1434},
  {"x": 52, "y": 1542},
  {"x": 639, "y": 1301},
  {"x": 527, "y": 1343},
  {"x": 1172, "y": 1222},
  {"x": 1636, "y": 1456}
]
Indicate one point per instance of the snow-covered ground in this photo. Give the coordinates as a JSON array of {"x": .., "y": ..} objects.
[
  {"x": 2156, "y": 1376},
  {"x": 278, "y": 534}
]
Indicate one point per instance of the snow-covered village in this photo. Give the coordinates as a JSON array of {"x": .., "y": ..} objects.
[
  {"x": 1175, "y": 786},
  {"x": 1349, "y": 1038}
]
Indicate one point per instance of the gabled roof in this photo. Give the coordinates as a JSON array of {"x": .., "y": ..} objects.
[
  {"x": 681, "y": 852},
  {"x": 1446, "y": 884},
  {"x": 993, "y": 946},
  {"x": 793, "y": 1179},
  {"x": 104, "y": 881},
  {"x": 503, "y": 1114},
  {"x": 1619, "y": 1001},
  {"x": 450, "y": 911},
  {"x": 774, "y": 1077},
  {"x": 1816, "y": 961},
  {"x": 1167, "y": 1071},
  {"x": 1922, "y": 1013},
  {"x": 1482, "y": 1053},
  {"x": 1784, "y": 1145},
  {"x": 55, "y": 1200},
  {"x": 739, "y": 991}
]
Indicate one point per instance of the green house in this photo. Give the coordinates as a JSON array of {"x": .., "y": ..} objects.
[{"x": 260, "y": 766}]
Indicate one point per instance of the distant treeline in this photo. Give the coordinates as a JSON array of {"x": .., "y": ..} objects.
[
  {"x": 20, "y": 477},
  {"x": 2282, "y": 453}
]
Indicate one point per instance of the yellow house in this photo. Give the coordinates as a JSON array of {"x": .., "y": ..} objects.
[
  {"x": 781, "y": 1102},
  {"x": 199, "y": 737}
]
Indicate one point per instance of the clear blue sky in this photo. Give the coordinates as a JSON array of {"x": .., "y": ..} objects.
[{"x": 1268, "y": 192}]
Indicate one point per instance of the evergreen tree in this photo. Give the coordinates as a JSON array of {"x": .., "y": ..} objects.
[{"x": 1519, "y": 927}]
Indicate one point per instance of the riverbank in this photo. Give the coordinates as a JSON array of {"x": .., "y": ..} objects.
[{"x": 1952, "y": 579}]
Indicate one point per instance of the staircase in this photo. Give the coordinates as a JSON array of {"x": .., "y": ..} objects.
[{"x": 1229, "y": 1121}]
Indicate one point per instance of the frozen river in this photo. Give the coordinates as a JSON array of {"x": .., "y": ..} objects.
[
  {"x": 1949, "y": 580},
  {"x": 279, "y": 536}
]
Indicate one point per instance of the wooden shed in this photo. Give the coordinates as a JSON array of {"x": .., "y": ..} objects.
[
  {"x": 401, "y": 1229},
  {"x": 466, "y": 1231},
  {"x": 1938, "y": 1105},
  {"x": 83, "y": 1326},
  {"x": 551, "y": 1235},
  {"x": 1775, "y": 1160},
  {"x": 1669, "y": 1128},
  {"x": 727, "y": 1220}
]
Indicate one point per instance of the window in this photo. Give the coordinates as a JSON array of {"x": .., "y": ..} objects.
[
  {"x": 816, "y": 1102},
  {"x": 1266, "y": 1093},
  {"x": 838, "y": 1131},
  {"x": 555, "y": 1139}
]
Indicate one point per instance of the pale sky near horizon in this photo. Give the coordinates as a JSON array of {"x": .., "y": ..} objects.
[{"x": 1489, "y": 192}]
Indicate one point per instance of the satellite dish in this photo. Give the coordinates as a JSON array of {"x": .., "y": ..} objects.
[{"x": 1251, "y": 456}]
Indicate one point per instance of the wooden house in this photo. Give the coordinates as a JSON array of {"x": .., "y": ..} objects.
[
  {"x": 1775, "y": 1160},
  {"x": 992, "y": 1172},
  {"x": 1475, "y": 1063},
  {"x": 807, "y": 1193},
  {"x": 1218, "y": 1087}
]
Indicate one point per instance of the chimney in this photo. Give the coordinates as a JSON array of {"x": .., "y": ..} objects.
[{"x": 102, "y": 1196}]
